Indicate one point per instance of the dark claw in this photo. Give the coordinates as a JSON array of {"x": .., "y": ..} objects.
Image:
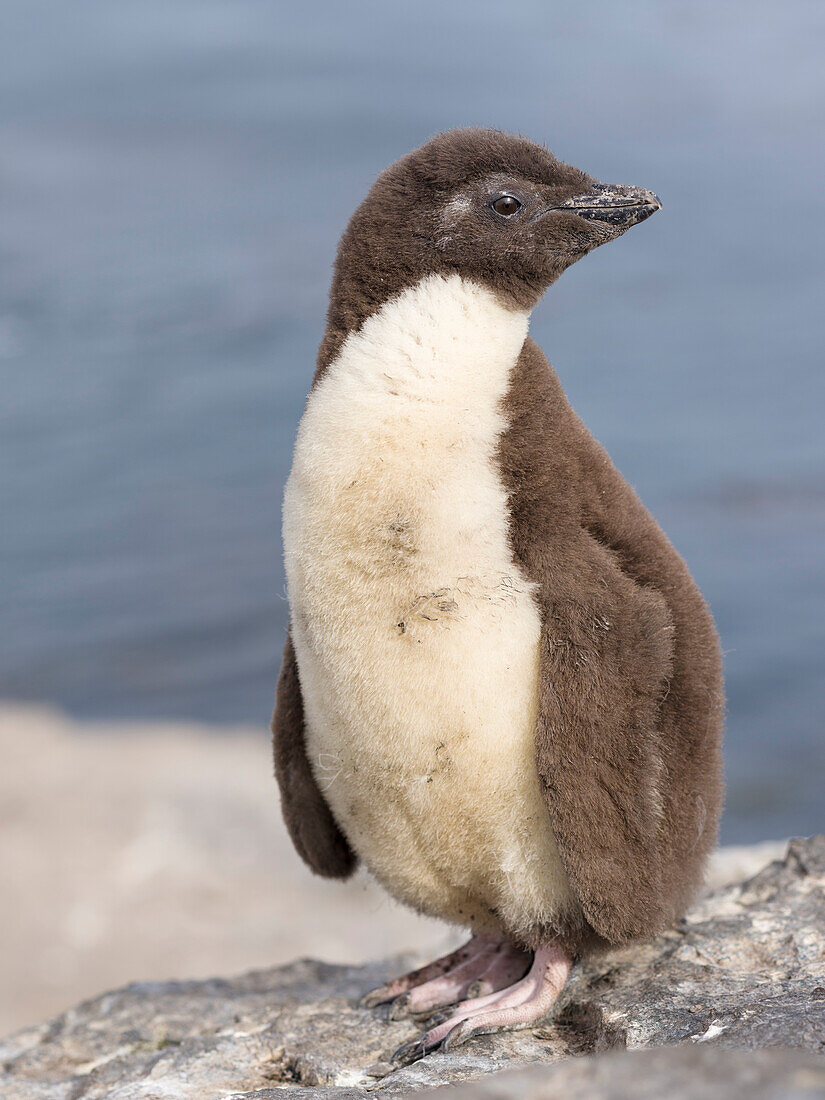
[
  {"x": 460, "y": 1033},
  {"x": 410, "y": 1052},
  {"x": 375, "y": 997},
  {"x": 400, "y": 1007},
  {"x": 439, "y": 1017}
]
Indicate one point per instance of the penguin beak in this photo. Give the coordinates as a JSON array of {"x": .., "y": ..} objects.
[{"x": 615, "y": 205}]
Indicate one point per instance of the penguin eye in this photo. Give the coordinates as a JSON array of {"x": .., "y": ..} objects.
[{"x": 506, "y": 205}]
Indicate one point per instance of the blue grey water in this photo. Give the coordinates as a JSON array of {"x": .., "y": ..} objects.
[{"x": 174, "y": 175}]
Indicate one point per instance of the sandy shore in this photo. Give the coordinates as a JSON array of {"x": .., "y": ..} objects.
[{"x": 149, "y": 851}]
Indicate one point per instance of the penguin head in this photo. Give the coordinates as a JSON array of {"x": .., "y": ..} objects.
[
  {"x": 510, "y": 213},
  {"x": 489, "y": 206}
]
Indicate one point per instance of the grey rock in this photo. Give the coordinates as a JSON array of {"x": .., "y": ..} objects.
[
  {"x": 680, "y": 1071},
  {"x": 744, "y": 970}
]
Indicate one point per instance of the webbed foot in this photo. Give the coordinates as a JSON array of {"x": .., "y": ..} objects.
[
  {"x": 481, "y": 966},
  {"x": 515, "y": 1006}
]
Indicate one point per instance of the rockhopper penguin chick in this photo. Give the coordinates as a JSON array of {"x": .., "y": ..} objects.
[{"x": 502, "y": 690}]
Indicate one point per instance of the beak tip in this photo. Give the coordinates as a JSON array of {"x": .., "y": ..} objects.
[
  {"x": 619, "y": 205},
  {"x": 645, "y": 198}
]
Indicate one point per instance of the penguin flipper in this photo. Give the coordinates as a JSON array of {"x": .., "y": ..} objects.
[
  {"x": 685, "y": 726},
  {"x": 311, "y": 826},
  {"x": 605, "y": 663}
]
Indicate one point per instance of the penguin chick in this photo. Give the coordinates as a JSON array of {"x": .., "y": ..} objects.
[{"x": 502, "y": 690}]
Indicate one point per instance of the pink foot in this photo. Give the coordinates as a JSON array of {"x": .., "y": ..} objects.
[
  {"x": 482, "y": 965},
  {"x": 517, "y": 1006}
]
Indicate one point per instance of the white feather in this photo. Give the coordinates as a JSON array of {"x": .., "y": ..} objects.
[{"x": 415, "y": 633}]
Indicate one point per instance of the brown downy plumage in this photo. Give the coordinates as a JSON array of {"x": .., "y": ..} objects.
[{"x": 630, "y": 707}]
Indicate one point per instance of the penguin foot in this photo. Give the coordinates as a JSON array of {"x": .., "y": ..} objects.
[
  {"x": 518, "y": 1005},
  {"x": 395, "y": 990},
  {"x": 481, "y": 966}
]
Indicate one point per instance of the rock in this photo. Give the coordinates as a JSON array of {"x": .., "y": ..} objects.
[
  {"x": 745, "y": 969},
  {"x": 688, "y": 1073},
  {"x": 736, "y": 862}
]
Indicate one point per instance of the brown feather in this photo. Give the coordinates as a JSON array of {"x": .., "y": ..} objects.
[{"x": 628, "y": 742}]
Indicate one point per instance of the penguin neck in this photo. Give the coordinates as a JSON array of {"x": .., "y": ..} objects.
[
  {"x": 445, "y": 342},
  {"x": 354, "y": 298}
]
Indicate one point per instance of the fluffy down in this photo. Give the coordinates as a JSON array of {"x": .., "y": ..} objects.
[{"x": 416, "y": 636}]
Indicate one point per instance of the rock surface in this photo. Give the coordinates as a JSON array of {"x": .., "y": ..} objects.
[
  {"x": 745, "y": 969},
  {"x": 685, "y": 1072}
]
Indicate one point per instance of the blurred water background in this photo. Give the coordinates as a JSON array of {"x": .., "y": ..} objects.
[{"x": 174, "y": 175}]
